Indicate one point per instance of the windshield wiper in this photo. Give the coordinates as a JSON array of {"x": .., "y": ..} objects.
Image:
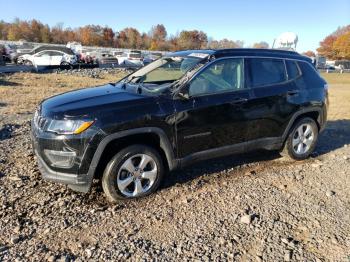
[{"x": 127, "y": 81}]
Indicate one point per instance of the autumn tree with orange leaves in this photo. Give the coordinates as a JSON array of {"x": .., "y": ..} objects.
[
  {"x": 341, "y": 46},
  {"x": 309, "y": 53},
  {"x": 336, "y": 45},
  {"x": 261, "y": 44}
]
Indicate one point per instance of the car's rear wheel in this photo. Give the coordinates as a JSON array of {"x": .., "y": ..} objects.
[
  {"x": 134, "y": 172},
  {"x": 302, "y": 139}
]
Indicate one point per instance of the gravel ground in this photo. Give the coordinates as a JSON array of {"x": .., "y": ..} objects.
[{"x": 254, "y": 207}]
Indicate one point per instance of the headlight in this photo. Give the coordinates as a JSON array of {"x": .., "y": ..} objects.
[{"x": 68, "y": 127}]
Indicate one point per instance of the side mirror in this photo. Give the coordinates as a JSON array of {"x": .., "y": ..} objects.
[{"x": 183, "y": 95}]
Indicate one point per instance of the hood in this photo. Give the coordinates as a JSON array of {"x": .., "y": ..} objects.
[{"x": 90, "y": 102}]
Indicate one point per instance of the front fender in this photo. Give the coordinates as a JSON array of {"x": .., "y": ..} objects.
[{"x": 164, "y": 144}]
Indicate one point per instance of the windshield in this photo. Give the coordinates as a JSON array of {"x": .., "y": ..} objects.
[{"x": 164, "y": 70}]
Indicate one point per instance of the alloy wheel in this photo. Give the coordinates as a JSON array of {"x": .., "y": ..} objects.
[
  {"x": 137, "y": 175},
  {"x": 302, "y": 139}
]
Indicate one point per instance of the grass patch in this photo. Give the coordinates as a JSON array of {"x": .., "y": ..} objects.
[{"x": 337, "y": 78}]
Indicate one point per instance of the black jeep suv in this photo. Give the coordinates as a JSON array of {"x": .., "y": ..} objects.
[{"x": 184, "y": 107}]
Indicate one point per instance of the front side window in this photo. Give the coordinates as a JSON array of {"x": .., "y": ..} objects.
[
  {"x": 42, "y": 54},
  {"x": 266, "y": 71},
  {"x": 221, "y": 76}
]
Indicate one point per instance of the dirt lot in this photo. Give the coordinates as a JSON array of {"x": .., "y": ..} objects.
[{"x": 256, "y": 207}]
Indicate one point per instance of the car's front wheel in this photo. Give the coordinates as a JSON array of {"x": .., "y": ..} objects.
[
  {"x": 28, "y": 63},
  {"x": 134, "y": 172},
  {"x": 302, "y": 139}
]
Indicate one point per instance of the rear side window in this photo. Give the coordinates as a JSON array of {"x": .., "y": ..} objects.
[
  {"x": 310, "y": 76},
  {"x": 292, "y": 69},
  {"x": 266, "y": 71},
  {"x": 55, "y": 53}
]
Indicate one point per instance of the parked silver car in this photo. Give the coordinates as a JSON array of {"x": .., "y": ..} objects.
[
  {"x": 49, "y": 56},
  {"x": 133, "y": 58}
]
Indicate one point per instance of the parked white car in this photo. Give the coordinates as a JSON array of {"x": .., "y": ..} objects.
[
  {"x": 134, "y": 57},
  {"x": 49, "y": 58}
]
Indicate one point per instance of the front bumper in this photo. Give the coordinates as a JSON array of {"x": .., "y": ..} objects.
[
  {"x": 59, "y": 177},
  {"x": 77, "y": 177}
]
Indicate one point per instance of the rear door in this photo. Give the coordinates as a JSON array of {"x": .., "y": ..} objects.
[
  {"x": 215, "y": 114},
  {"x": 275, "y": 96},
  {"x": 56, "y": 57}
]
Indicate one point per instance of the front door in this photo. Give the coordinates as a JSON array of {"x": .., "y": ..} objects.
[
  {"x": 42, "y": 59},
  {"x": 215, "y": 114}
]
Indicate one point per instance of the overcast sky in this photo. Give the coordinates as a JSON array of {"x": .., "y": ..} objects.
[{"x": 250, "y": 20}]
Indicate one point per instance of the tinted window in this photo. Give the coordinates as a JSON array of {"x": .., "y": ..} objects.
[
  {"x": 222, "y": 76},
  {"x": 292, "y": 69},
  {"x": 311, "y": 77},
  {"x": 135, "y": 55},
  {"x": 45, "y": 53},
  {"x": 266, "y": 71},
  {"x": 55, "y": 53}
]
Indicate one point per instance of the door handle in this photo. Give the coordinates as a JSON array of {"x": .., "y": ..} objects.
[
  {"x": 239, "y": 101},
  {"x": 292, "y": 92}
]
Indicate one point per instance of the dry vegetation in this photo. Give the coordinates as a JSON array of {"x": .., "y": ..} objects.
[
  {"x": 20, "y": 93},
  {"x": 339, "y": 95}
]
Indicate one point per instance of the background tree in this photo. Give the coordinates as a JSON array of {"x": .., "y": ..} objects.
[
  {"x": 342, "y": 46},
  {"x": 95, "y": 35},
  {"x": 192, "y": 40},
  {"x": 309, "y": 53},
  {"x": 108, "y": 36},
  {"x": 146, "y": 41},
  {"x": 14, "y": 31},
  {"x": 261, "y": 44},
  {"x": 173, "y": 43},
  {"x": 327, "y": 47},
  {"x": 341, "y": 30},
  {"x": 158, "y": 36},
  {"x": 226, "y": 43},
  {"x": 3, "y": 29},
  {"x": 45, "y": 34},
  {"x": 57, "y": 34},
  {"x": 129, "y": 38}
]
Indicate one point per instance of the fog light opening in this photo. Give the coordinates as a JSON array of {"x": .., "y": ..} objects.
[{"x": 62, "y": 159}]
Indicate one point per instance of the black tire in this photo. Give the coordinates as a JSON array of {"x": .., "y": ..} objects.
[
  {"x": 110, "y": 175},
  {"x": 66, "y": 65},
  {"x": 289, "y": 150}
]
